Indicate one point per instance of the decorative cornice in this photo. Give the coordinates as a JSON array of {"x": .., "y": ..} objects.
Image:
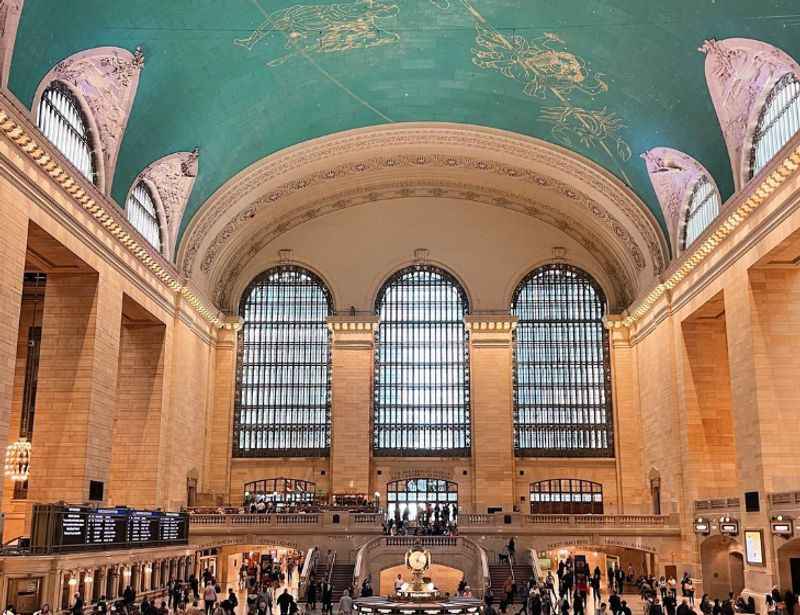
[
  {"x": 37, "y": 149},
  {"x": 737, "y": 210},
  {"x": 358, "y": 324},
  {"x": 105, "y": 80},
  {"x": 740, "y": 73},
  {"x": 485, "y": 323}
]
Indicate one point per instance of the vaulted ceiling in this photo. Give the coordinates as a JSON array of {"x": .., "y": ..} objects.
[{"x": 243, "y": 79}]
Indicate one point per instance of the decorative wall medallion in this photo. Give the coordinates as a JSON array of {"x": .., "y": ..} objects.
[
  {"x": 172, "y": 177},
  {"x": 105, "y": 79},
  {"x": 673, "y": 175},
  {"x": 740, "y": 73}
]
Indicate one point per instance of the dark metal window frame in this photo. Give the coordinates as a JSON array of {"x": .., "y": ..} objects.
[
  {"x": 281, "y": 491},
  {"x": 762, "y": 130},
  {"x": 84, "y": 138},
  {"x": 566, "y": 496},
  {"x": 577, "y": 382},
  {"x": 451, "y": 420},
  {"x": 283, "y": 373},
  {"x": 441, "y": 493}
]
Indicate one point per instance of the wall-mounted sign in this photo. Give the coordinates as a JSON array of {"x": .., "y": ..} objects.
[
  {"x": 754, "y": 547},
  {"x": 731, "y": 528},
  {"x": 782, "y": 526}
]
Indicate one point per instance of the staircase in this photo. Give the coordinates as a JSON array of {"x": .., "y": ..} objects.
[
  {"x": 341, "y": 579},
  {"x": 500, "y": 572}
]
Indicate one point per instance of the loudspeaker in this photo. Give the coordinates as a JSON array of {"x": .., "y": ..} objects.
[{"x": 751, "y": 501}]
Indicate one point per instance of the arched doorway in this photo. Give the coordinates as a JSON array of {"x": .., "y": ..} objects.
[
  {"x": 722, "y": 564},
  {"x": 789, "y": 565},
  {"x": 415, "y": 494}
]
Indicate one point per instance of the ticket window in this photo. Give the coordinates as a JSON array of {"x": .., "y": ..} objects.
[{"x": 25, "y": 594}]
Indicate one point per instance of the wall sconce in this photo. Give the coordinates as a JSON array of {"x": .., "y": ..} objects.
[{"x": 72, "y": 581}]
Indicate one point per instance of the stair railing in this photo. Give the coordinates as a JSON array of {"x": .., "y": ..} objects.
[
  {"x": 331, "y": 564},
  {"x": 310, "y": 564}
]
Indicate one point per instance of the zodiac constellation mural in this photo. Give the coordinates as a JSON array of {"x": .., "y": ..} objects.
[{"x": 543, "y": 66}]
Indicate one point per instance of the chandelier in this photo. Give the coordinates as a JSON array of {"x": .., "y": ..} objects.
[{"x": 18, "y": 460}]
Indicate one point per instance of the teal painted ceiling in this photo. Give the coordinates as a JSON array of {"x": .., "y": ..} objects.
[{"x": 242, "y": 79}]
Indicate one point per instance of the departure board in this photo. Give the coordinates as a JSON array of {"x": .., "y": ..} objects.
[{"x": 59, "y": 527}]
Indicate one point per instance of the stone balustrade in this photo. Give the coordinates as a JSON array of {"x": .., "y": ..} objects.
[{"x": 372, "y": 523}]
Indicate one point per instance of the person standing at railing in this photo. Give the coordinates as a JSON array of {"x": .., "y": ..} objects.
[{"x": 511, "y": 547}]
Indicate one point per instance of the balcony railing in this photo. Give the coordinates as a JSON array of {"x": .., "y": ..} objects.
[{"x": 785, "y": 499}]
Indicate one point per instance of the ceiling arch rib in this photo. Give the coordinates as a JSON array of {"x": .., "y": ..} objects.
[{"x": 507, "y": 169}]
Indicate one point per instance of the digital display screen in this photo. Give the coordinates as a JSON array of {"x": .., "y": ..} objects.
[
  {"x": 74, "y": 528},
  {"x": 754, "y": 547}
]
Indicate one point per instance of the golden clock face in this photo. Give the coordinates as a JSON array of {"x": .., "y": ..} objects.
[{"x": 417, "y": 560}]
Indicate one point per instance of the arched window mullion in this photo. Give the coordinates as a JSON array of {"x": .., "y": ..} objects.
[
  {"x": 61, "y": 121},
  {"x": 704, "y": 206},
  {"x": 421, "y": 407},
  {"x": 778, "y": 122},
  {"x": 142, "y": 214},
  {"x": 562, "y": 397},
  {"x": 283, "y": 375}
]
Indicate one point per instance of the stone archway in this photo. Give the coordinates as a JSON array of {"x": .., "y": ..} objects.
[{"x": 722, "y": 565}]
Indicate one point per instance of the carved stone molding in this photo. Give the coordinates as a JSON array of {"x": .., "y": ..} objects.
[
  {"x": 104, "y": 80},
  {"x": 227, "y": 280},
  {"x": 490, "y": 330},
  {"x": 353, "y": 332},
  {"x": 10, "y": 12},
  {"x": 674, "y": 175},
  {"x": 740, "y": 73},
  {"x": 428, "y": 147},
  {"x": 171, "y": 180}
]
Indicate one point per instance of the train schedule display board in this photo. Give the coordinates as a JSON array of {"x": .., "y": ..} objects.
[{"x": 60, "y": 527}]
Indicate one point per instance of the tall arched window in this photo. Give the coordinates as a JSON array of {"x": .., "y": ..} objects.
[
  {"x": 422, "y": 365},
  {"x": 61, "y": 120},
  {"x": 562, "y": 377},
  {"x": 704, "y": 205},
  {"x": 778, "y": 122},
  {"x": 142, "y": 214},
  {"x": 283, "y": 381}
]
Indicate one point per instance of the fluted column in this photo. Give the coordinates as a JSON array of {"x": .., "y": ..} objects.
[
  {"x": 491, "y": 381},
  {"x": 352, "y": 361}
]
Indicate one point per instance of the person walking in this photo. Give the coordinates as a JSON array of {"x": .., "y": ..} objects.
[
  {"x": 209, "y": 598},
  {"x": 346, "y": 604}
]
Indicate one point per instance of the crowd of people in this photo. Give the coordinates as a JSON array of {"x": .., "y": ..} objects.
[{"x": 431, "y": 520}]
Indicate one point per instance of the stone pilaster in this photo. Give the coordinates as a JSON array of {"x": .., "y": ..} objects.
[
  {"x": 220, "y": 423},
  {"x": 72, "y": 439},
  {"x": 492, "y": 407},
  {"x": 352, "y": 361}
]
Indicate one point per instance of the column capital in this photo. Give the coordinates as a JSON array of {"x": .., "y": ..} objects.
[
  {"x": 353, "y": 331},
  {"x": 490, "y": 329}
]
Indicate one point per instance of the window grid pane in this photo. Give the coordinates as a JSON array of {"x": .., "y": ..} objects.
[
  {"x": 421, "y": 397},
  {"x": 703, "y": 208},
  {"x": 60, "y": 119},
  {"x": 779, "y": 121},
  {"x": 562, "y": 378},
  {"x": 142, "y": 215},
  {"x": 566, "y": 497},
  {"x": 416, "y": 494},
  {"x": 283, "y": 377}
]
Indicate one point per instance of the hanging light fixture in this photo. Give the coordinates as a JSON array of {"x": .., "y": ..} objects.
[{"x": 18, "y": 460}]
